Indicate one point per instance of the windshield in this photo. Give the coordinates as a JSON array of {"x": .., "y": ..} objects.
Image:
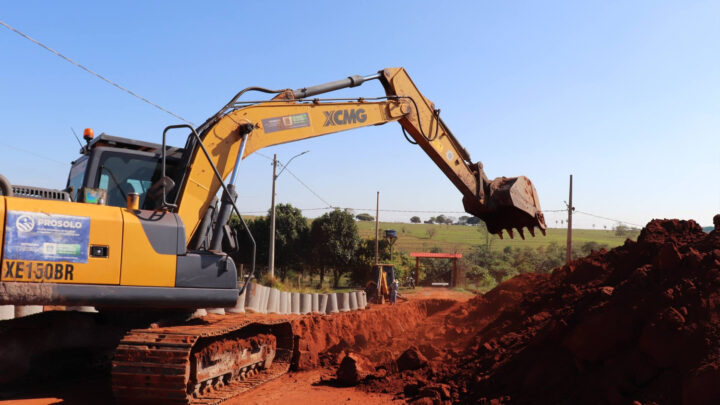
[{"x": 121, "y": 174}]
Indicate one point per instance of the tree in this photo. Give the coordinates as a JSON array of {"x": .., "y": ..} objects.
[
  {"x": 260, "y": 229},
  {"x": 415, "y": 220},
  {"x": 364, "y": 217},
  {"x": 431, "y": 232},
  {"x": 473, "y": 221},
  {"x": 436, "y": 269},
  {"x": 335, "y": 239},
  {"x": 590, "y": 246},
  {"x": 291, "y": 239},
  {"x": 440, "y": 219},
  {"x": 365, "y": 257},
  {"x": 621, "y": 230}
]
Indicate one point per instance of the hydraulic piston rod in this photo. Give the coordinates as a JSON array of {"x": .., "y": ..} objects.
[{"x": 351, "y": 81}]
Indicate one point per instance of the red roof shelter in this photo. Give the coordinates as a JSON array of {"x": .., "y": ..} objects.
[{"x": 455, "y": 278}]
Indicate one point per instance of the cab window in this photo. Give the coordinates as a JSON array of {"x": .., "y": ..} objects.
[{"x": 122, "y": 174}]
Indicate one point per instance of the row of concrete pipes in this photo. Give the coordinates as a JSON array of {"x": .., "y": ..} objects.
[
  {"x": 256, "y": 298},
  {"x": 266, "y": 300}
]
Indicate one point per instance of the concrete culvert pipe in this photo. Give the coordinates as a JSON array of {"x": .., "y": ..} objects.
[
  {"x": 254, "y": 296},
  {"x": 239, "y": 307},
  {"x": 288, "y": 302},
  {"x": 305, "y": 303},
  {"x": 315, "y": 303},
  {"x": 332, "y": 304},
  {"x": 323, "y": 303},
  {"x": 363, "y": 300},
  {"x": 7, "y": 312},
  {"x": 283, "y": 306},
  {"x": 344, "y": 304},
  {"x": 82, "y": 309},
  {"x": 353, "y": 301},
  {"x": 274, "y": 301},
  {"x": 27, "y": 310},
  {"x": 264, "y": 299},
  {"x": 199, "y": 313},
  {"x": 295, "y": 303}
]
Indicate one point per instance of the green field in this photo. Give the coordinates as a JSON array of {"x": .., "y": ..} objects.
[{"x": 461, "y": 238}]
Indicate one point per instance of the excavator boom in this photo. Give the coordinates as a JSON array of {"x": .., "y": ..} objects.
[{"x": 240, "y": 129}]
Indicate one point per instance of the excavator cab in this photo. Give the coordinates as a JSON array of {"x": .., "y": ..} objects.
[{"x": 112, "y": 167}]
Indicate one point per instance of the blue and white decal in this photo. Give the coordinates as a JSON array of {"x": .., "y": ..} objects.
[{"x": 46, "y": 237}]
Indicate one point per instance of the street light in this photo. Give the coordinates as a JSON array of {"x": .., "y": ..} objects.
[{"x": 271, "y": 261}]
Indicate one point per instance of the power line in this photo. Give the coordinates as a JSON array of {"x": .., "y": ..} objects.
[
  {"x": 299, "y": 181},
  {"x": 608, "y": 219},
  {"x": 99, "y": 76},
  {"x": 33, "y": 153},
  {"x": 309, "y": 189}
]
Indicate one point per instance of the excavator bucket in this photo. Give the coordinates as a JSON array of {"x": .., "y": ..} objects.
[{"x": 510, "y": 203}]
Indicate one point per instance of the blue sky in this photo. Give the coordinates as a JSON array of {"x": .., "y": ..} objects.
[{"x": 623, "y": 95}]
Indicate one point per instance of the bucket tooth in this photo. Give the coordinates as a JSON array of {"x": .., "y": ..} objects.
[
  {"x": 543, "y": 231},
  {"x": 510, "y": 232},
  {"x": 522, "y": 234},
  {"x": 532, "y": 230},
  {"x": 500, "y": 234}
]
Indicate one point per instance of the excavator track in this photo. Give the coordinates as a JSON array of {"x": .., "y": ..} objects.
[{"x": 204, "y": 363}]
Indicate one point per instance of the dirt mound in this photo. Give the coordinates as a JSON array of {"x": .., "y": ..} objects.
[{"x": 637, "y": 323}]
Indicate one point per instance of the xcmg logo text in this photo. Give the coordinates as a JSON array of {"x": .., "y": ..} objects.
[{"x": 343, "y": 117}]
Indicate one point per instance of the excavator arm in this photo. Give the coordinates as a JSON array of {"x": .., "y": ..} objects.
[{"x": 242, "y": 128}]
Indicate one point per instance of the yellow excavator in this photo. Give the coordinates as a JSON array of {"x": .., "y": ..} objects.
[{"x": 139, "y": 226}]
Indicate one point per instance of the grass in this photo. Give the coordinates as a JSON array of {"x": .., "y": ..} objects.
[{"x": 460, "y": 238}]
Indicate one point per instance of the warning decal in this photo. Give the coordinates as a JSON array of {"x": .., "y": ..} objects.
[{"x": 46, "y": 237}]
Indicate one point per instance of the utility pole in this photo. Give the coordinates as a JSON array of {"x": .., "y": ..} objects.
[
  {"x": 377, "y": 223},
  {"x": 568, "y": 253},
  {"x": 271, "y": 259},
  {"x": 271, "y": 262}
]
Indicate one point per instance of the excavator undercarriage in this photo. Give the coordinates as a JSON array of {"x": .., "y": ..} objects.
[{"x": 200, "y": 363}]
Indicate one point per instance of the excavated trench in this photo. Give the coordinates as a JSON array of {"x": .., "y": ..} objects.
[{"x": 380, "y": 332}]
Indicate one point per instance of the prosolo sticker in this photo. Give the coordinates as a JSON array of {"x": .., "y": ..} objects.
[{"x": 45, "y": 237}]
